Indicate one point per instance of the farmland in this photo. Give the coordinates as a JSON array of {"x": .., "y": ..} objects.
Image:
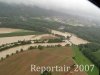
[
  {"x": 47, "y": 56},
  {"x": 8, "y": 32}
]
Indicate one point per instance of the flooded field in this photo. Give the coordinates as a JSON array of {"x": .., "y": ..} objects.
[
  {"x": 8, "y": 30},
  {"x": 25, "y": 47},
  {"x": 74, "y": 39}
]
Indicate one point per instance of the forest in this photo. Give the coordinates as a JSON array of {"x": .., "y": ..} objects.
[{"x": 88, "y": 50}]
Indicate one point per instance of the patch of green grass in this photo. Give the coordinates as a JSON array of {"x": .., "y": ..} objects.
[
  {"x": 97, "y": 54},
  {"x": 20, "y": 33},
  {"x": 80, "y": 59}
]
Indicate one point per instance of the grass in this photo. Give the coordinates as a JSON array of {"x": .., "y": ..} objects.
[
  {"x": 19, "y": 33},
  {"x": 97, "y": 54},
  {"x": 80, "y": 59}
]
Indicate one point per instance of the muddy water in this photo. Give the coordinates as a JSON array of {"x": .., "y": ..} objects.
[
  {"x": 5, "y": 40},
  {"x": 25, "y": 47},
  {"x": 74, "y": 39}
]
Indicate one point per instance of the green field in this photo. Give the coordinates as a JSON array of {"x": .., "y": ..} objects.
[
  {"x": 82, "y": 60},
  {"x": 97, "y": 54},
  {"x": 20, "y": 33}
]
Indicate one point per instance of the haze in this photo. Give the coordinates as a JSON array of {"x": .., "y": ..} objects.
[{"x": 76, "y": 6}]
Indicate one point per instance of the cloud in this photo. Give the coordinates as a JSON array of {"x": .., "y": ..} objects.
[{"x": 75, "y": 5}]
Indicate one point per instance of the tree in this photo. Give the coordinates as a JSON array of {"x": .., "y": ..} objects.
[
  {"x": 73, "y": 57},
  {"x": 68, "y": 37},
  {"x": 88, "y": 49},
  {"x": 2, "y": 58},
  {"x": 17, "y": 52},
  {"x": 40, "y": 47},
  {"x": 21, "y": 50},
  {"x": 58, "y": 45},
  {"x": 7, "y": 56},
  {"x": 46, "y": 73},
  {"x": 67, "y": 45},
  {"x": 57, "y": 40},
  {"x": 31, "y": 48},
  {"x": 12, "y": 54}
]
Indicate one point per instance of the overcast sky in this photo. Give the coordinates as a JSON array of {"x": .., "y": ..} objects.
[{"x": 83, "y": 6}]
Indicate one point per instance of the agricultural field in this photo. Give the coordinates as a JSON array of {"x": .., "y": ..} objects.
[
  {"x": 9, "y": 32},
  {"x": 48, "y": 56}
]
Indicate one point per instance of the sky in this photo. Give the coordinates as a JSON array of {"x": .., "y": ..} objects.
[{"x": 76, "y": 6}]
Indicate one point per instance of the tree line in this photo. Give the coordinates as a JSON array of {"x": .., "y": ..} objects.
[
  {"x": 25, "y": 42},
  {"x": 88, "y": 50}
]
